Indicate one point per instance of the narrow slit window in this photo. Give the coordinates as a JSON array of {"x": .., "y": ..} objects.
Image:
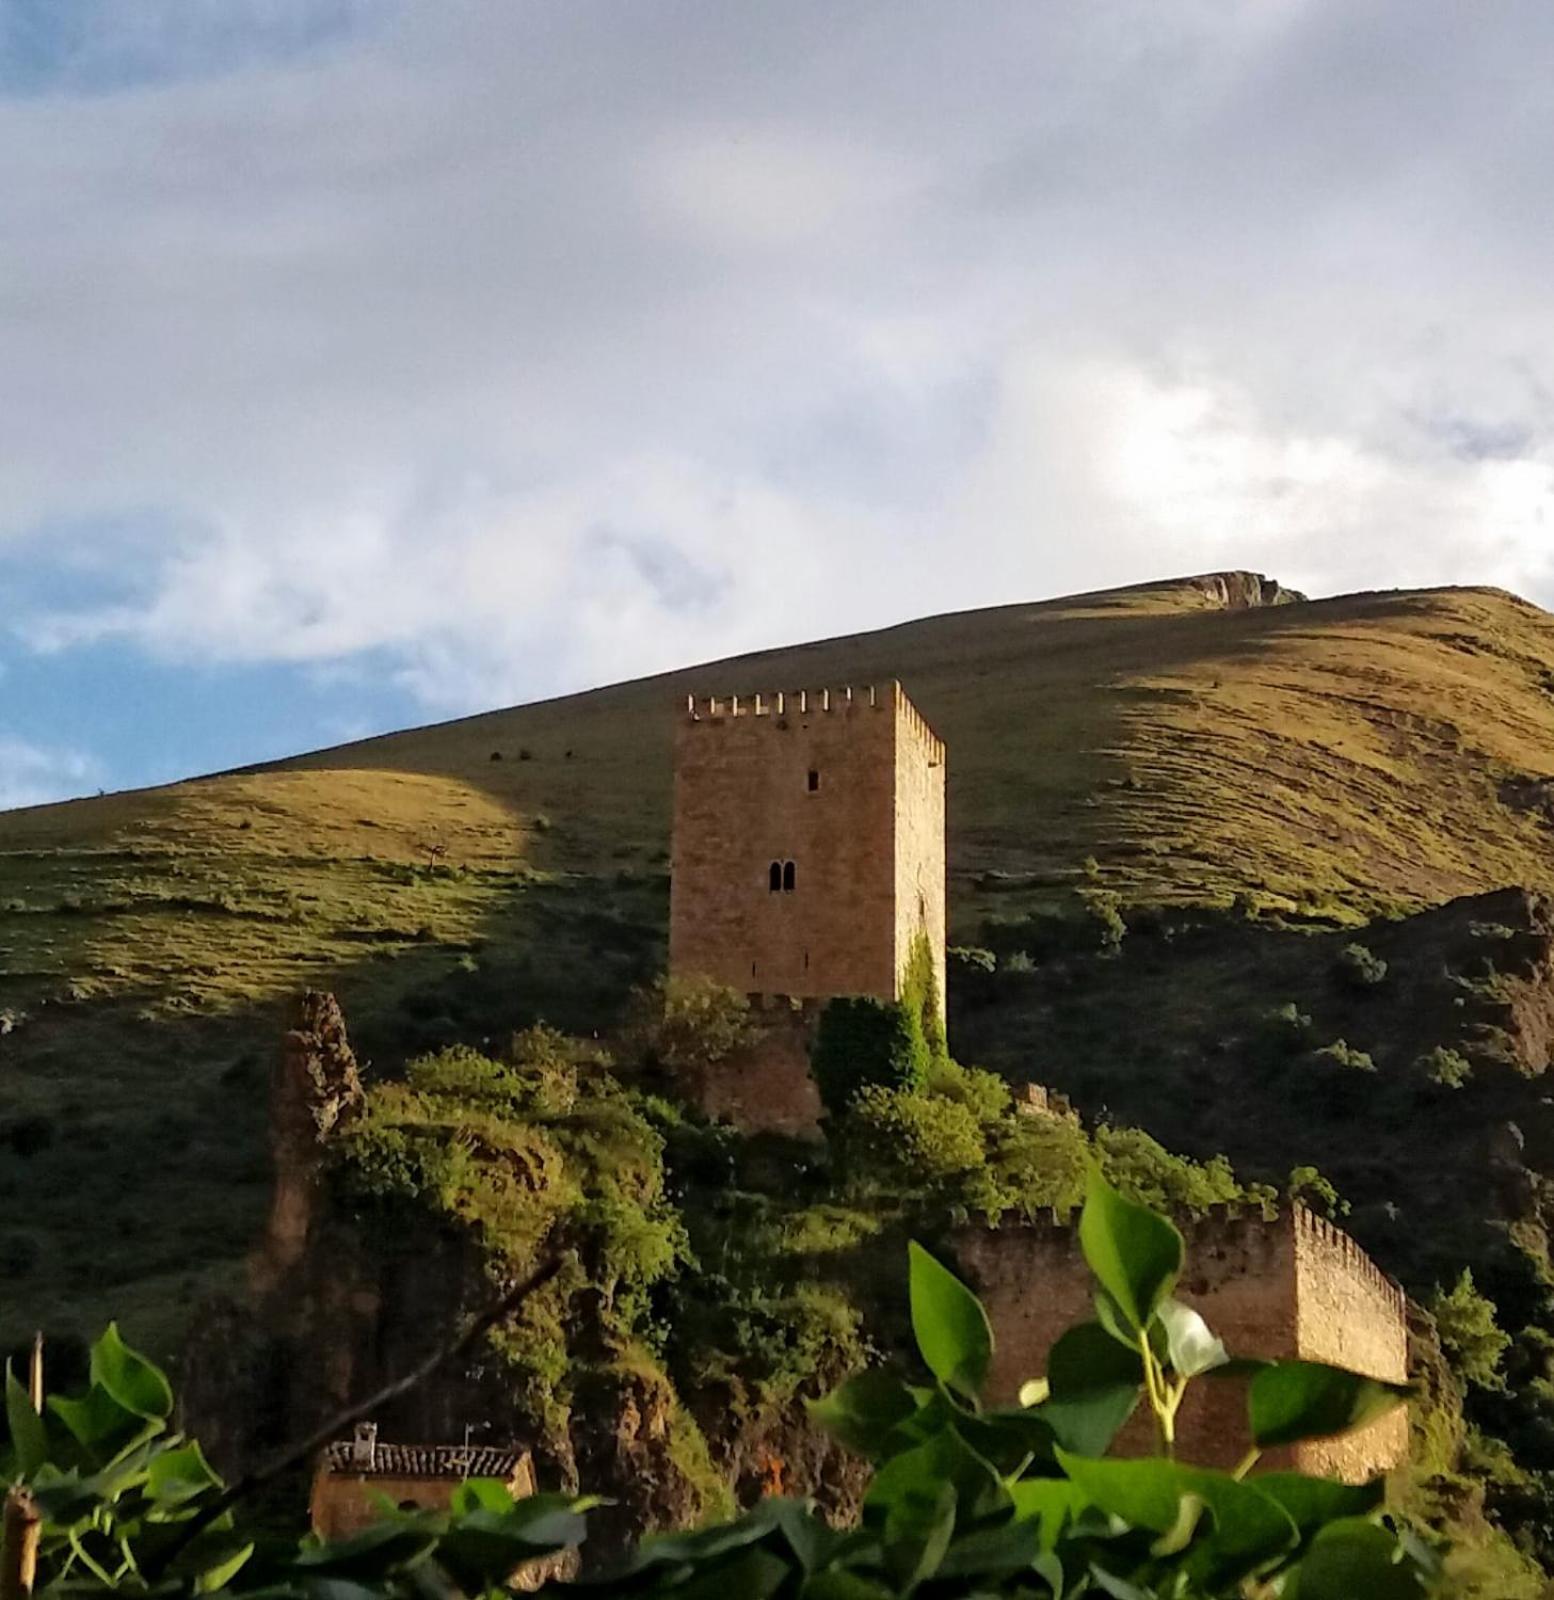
[
  {"x": 788, "y": 875},
  {"x": 774, "y": 877},
  {"x": 814, "y": 780}
]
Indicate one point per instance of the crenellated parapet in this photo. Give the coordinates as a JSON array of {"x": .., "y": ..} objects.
[
  {"x": 715, "y": 710},
  {"x": 1284, "y": 1286},
  {"x": 1327, "y": 1244}
]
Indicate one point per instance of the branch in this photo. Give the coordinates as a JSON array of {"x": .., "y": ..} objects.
[{"x": 294, "y": 1455}]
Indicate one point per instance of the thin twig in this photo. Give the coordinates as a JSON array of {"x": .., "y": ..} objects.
[{"x": 294, "y": 1455}]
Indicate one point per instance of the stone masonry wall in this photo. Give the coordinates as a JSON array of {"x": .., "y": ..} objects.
[
  {"x": 1351, "y": 1314},
  {"x": 866, "y": 842},
  {"x": 765, "y": 1086},
  {"x": 920, "y": 780},
  {"x": 1293, "y": 1287}
]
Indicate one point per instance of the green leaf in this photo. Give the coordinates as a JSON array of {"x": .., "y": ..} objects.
[
  {"x": 953, "y": 1333},
  {"x": 1312, "y": 1503},
  {"x": 1135, "y": 1253},
  {"x": 1247, "y": 1528},
  {"x": 705, "y": 1544},
  {"x": 1095, "y": 1386},
  {"x": 139, "y": 1386},
  {"x": 1193, "y": 1349},
  {"x": 1292, "y": 1400},
  {"x": 1250, "y": 1529},
  {"x": 1146, "y": 1493},
  {"x": 810, "y": 1540},
  {"x": 1008, "y": 1438},
  {"x": 173, "y": 1476},
  {"x": 29, "y": 1438},
  {"x": 213, "y": 1558},
  {"x": 1354, "y": 1558},
  {"x": 1051, "y": 1503},
  {"x": 864, "y": 1412},
  {"x": 837, "y": 1584},
  {"x": 918, "y": 1473},
  {"x": 101, "y": 1426},
  {"x": 369, "y": 1555},
  {"x": 992, "y": 1552},
  {"x": 753, "y": 1575},
  {"x": 918, "y": 1529},
  {"x": 480, "y": 1494}
]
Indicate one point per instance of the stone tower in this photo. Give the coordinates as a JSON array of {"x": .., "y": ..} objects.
[{"x": 808, "y": 842}]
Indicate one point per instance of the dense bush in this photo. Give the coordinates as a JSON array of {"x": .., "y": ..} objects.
[
  {"x": 1342, "y": 1055},
  {"x": 1447, "y": 1069},
  {"x": 1465, "y": 1321},
  {"x": 1358, "y": 968},
  {"x": 860, "y": 1042},
  {"x": 685, "y": 1023},
  {"x": 1308, "y": 1186}
]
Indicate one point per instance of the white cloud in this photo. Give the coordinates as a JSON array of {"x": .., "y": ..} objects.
[
  {"x": 32, "y": 774},
  {"x": 524, "y": 346}
]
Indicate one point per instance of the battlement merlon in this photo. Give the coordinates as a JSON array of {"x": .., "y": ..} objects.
[{"x": 714, "y": 710}]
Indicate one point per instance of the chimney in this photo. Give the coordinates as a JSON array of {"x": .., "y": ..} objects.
[{"x": 364, "y": 1446}]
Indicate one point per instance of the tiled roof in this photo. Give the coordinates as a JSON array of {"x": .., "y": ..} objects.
[{"x": 425, "y": 1460}]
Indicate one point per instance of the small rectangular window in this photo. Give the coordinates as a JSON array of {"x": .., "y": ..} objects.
[{"x": 814, "y": 780}]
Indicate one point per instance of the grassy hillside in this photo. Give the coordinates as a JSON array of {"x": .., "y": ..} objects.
[{"x": 1331, "y": 759}]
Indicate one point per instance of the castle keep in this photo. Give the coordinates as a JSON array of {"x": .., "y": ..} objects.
[{"x": 808, "y": 852}]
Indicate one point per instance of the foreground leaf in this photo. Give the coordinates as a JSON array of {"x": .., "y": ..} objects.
[
  {"x": 1095, "y": 1384},
  {"x": 1356, "y": 1560},
  {"x": 1292, "y": 1400},
  {"x": 865, "y": 1411},
  {"x": 29, "y": 1438},
  {"x": 1135, "y": 1253},
  {"x": 137, "y": 1385},
  {"x": 952, "y": 1330}
]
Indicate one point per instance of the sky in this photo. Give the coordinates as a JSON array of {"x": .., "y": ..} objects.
[{"x": 368, "y": 362}]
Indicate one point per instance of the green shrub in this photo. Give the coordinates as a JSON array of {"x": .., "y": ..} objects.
[
  {"x": 972, "y": 959},
  {"x": 1357, "y": 968},
  {"x": 1340, "y": 1053},
  {"x": 862, "y": 1041},
  {"x": 1308, "y": 1186},
  {"x": 1148, "y": 1173},
  {"x": 1449, "y": 1069},
  {"x": 920, "y": 995},
  {"x": 1018, "y": 963},
  {"x": 684, "y": 1023},
  {"x": 1285, "y": 1030},
  {"x": 905, "y": 1141},
  {"x": 1465, "y": 1321}
]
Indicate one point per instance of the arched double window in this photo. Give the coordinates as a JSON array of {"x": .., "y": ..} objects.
[{"x": 780, "y": 877}]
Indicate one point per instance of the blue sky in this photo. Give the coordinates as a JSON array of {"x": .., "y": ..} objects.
[{"x": 368, "y": 363}]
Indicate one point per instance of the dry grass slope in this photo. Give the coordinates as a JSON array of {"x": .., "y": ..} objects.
[{"x": 1334, "y": 757}]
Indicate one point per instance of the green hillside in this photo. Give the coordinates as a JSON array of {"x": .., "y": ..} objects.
[{"x": 1330, "y": 761}]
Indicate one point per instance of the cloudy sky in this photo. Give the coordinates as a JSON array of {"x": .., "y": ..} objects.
[{"x": 364, "y": 362}]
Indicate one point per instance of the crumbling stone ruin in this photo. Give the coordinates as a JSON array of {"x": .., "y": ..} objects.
[{"x": 314, "y": 1089}]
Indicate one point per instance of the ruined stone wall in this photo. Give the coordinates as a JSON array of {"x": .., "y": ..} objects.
[
  {"x": 743, "y": 800},
  {"x": 1293, "y": 1287},
  {"x": 1350, "y": 1314},
  {"x": 765, "y": 1086},
  {"x": 920, "y": 779}
]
